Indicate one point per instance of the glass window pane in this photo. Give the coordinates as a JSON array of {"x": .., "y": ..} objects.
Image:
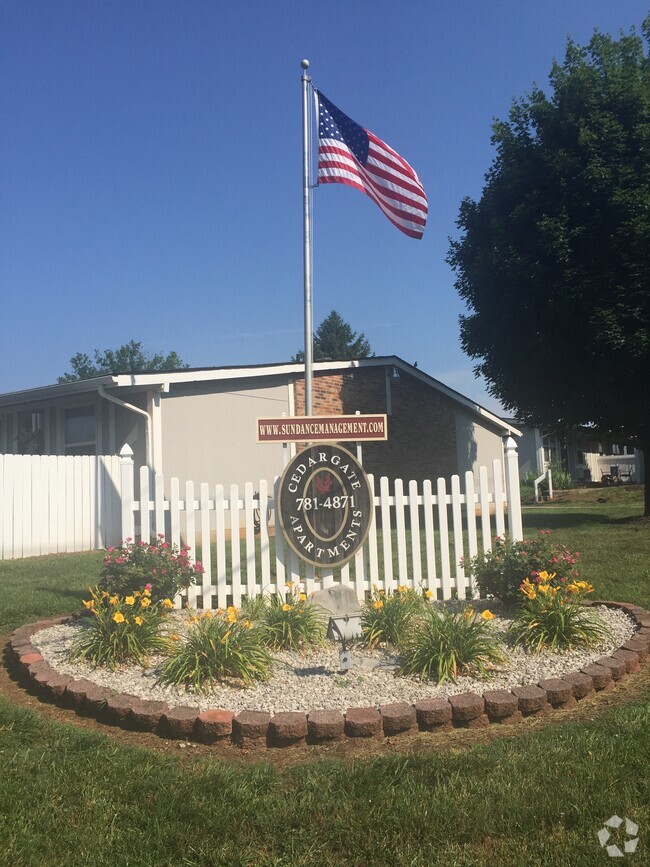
[{"x": 80, "y": 425}]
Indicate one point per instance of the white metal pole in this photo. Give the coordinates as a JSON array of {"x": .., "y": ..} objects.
[{"x": 306, "y": 198}]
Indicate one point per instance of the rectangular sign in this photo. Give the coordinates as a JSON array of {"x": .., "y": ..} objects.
[{"x": 322, "y": 428}]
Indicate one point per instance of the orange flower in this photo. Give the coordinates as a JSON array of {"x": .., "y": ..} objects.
[{"x": 487, "y": 615}]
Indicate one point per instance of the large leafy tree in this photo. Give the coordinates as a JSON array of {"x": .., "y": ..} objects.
[
  {"x": 127, "y": 359},
  {"x": 554, "y": 259},
  {"x": 335, "y": 339}
]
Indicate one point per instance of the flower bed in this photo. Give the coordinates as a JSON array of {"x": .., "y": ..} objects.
[{"x": 432, "y": 709}]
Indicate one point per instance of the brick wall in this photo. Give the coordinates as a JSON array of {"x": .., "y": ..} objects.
[{"x": 421, "y": 429}]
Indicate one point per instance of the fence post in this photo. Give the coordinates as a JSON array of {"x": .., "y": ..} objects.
[
  {"x": 126, "y": 491},
  {"x": 515, "y": 527}
]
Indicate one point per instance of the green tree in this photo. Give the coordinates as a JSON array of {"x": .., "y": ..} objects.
[
  {"x": 553, "y": 260},
  {"x": 335, "y": 339},
  {"x": 127, "y": 359}
]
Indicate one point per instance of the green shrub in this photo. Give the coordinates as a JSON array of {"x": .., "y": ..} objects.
[
  {"x": 218, "y": 646},
  {"x": 121, "y": 630},
  {"x": 501, "y": 571},
  {"x": 551, "y": 616},
  {"x": 440, "y": 645},
  {"x": 560, "y": 478},
  {"x": 254, "y": 607},
  {"x": 161, "y": 566},
  {"x": 386, "y": 615},
  {"x": 293, "y": 623}
]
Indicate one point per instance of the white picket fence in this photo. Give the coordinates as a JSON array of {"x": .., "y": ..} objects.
[
  {"x": 52, "y": 504},
  {"x": 418, "y": 536}
]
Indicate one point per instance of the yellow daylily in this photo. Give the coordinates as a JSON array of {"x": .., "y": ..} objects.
[
  {"x": 378, "y": 604},
  {"x": 114, "y": 600},
  {"x": 487, "y": 615},
  {"x": 528, "y": 589},
  {"x": 138, "y": 620},
  {"x": 428, "y": 594},
  {"x": 468, "y": 612},
  {"x": 130, "y": 600},
  {"x": 546, "y": 577},
  {"x": 286, "y": 607},
  {"x": 302, "y": 597},
  {"x": 118, "y": 617},
  {"x": 167, "y": 603},
  {"x": 89, "y": 604}
]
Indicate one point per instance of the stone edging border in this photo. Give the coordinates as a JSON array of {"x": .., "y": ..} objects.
[{"x": 260, "y": 729}]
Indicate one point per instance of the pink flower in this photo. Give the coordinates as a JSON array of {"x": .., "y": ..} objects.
[
  {"x": 128, "y": 540},
  {"x": 147, "y": 586}
]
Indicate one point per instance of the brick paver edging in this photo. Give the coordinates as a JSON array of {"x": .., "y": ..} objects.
[{"x": 260, "y": 729}]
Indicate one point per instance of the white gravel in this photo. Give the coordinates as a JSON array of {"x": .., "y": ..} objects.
[{"x": 303, "y": 682}]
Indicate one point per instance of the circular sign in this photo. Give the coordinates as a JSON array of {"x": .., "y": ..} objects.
[{"x": 325, "y": 505}]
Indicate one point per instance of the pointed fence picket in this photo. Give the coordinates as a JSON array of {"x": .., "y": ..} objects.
[{"x": 418, "y": 537}]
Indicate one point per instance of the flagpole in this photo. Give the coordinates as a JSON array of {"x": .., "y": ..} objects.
[{"x": 306, "y": 198}]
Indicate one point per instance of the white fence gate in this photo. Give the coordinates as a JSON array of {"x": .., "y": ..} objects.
[
  {"x": 417, "y": 538},
  {"x": 50, "y": 504}
]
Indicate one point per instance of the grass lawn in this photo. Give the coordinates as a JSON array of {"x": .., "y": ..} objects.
[{"x": 530, "y": 795}]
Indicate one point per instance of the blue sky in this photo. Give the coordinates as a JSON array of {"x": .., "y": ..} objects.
[{"x": 150, "y": 169}]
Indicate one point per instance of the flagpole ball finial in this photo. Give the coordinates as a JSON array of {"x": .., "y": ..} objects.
[{"x": 304, "y": 64}]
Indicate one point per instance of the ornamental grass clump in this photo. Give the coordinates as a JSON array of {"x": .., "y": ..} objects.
[
  {"x": 440, "y": 645},
  {"x": 551, "y": 616},
  {"x": 166, "y": 568},
  {"x": 220, "y": 645},
  {"x": 500, "y": 571},
  {"x": 122, "y": 629},
  {"x": 386, "y": 615},
  {"x": 292, "y": 622}
]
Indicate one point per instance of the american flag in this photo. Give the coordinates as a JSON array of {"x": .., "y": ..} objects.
[{"x": 350, "y": 154}]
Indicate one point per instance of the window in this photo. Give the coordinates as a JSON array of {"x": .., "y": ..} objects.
[
  {"x": 80, "y": 431},
  {"x": 29, "y": 440},
  {"x": 549, "y": 446}
]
